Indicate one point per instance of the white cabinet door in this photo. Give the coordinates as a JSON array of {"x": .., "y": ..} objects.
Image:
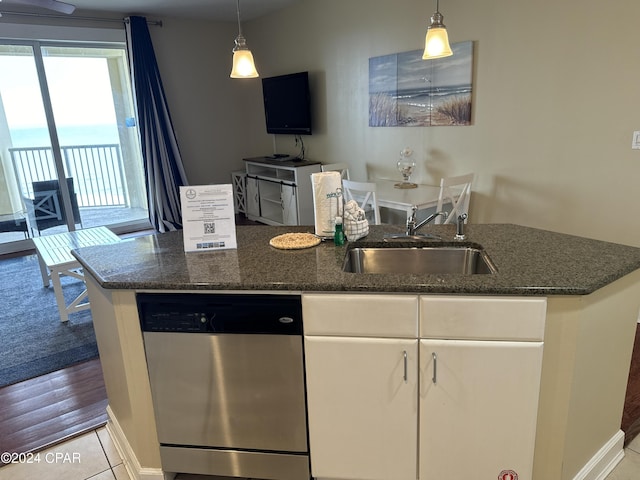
[
  {"x": 362, "y": 407},
  {"x": 478, "y": 408},
  {"x": 289, "y": 204},
  {"x": 253, "y": 197}
]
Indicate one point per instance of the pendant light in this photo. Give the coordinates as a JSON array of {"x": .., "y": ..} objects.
[
  {"x": 436, "y": 44},
  {"x": 243, "y": 65}
]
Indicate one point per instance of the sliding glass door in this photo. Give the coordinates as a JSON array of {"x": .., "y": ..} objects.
[{"x": 69, "y": 148}]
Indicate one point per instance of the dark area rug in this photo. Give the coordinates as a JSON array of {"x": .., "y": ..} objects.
[{"x": 33, "y": 341}]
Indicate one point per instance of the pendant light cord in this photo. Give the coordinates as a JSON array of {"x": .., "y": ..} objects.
[{"x": 238, "y": 12}]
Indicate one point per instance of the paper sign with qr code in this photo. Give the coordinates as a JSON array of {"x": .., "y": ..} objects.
[{"x": 208, "y": 217}]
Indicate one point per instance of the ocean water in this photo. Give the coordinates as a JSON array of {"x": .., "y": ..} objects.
[
  {"x": 68, "y": 135},
  {"x": 443, "y": 91}
]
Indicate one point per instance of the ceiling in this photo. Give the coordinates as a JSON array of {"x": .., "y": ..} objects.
[{"x": 217, "y": 10}]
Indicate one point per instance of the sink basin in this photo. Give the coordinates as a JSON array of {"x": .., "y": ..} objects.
[{"x": 463, "y": 260}]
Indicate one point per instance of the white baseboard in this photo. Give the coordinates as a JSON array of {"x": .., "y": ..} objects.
[
  {"x": 597, "y": 468},
  {"x": 131, "y": 463},
  {"x": 605, "y": 460}
]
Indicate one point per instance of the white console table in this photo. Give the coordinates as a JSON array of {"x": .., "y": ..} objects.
[{"x": 279, "y": 192}]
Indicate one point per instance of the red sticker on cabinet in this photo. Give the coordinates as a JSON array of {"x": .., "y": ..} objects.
[{"x": 508, "y": 475}]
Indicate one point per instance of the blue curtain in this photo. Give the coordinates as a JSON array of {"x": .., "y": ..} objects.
[{"x": 164, "y": 172}]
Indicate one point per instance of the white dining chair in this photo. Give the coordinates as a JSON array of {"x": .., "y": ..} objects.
[
  {"x": 457, "y": 192},
  {"x": 343, "y": 168},
  {"x": 365, "y": 195}
]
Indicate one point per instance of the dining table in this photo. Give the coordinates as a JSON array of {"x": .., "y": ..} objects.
[{"x": 405, "y": 199}]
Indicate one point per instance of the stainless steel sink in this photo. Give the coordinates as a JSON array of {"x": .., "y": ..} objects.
[{"x": 463, "y": 260}]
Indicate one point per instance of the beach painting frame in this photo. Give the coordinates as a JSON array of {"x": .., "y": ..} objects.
[{"x": 407, "y": 91}]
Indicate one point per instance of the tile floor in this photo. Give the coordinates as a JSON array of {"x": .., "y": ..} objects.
[
  {"x": 89, "y": 456},
  {"x": 629, "y": 467},
  {"x": 93, "y": 456}
]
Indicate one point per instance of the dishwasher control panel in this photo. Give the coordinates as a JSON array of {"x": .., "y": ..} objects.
[{"x": 220, "y": 313}]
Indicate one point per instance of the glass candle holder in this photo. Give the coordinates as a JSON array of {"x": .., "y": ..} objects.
[{"x": 406, "y": 166}]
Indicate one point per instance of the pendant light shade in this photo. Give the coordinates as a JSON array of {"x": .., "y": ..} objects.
[
  {"x": 243, "y": 64},
  {"x": 436, "y": 44}
]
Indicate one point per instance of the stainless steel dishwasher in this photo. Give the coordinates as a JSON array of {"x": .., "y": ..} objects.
[{"x": 227, "y": 382}]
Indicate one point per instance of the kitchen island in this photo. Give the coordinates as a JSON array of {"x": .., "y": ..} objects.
[
  {"x": 529, "y": 262},
  {"x": 589, "y": 292}
]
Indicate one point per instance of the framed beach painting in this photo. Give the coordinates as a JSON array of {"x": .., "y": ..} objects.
[{"x": 407, "y": 91}]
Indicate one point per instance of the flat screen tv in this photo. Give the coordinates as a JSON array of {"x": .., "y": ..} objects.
[{"x": 287, "y": 104}]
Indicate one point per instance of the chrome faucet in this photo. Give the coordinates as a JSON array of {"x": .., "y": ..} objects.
[
  {"x": 460, "y": 227},
  {"x": 412, "y": 227}
]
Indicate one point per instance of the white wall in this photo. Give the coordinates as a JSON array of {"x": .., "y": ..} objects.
[
  {"x": 556, "y": 101},
  {"x": 209, "y": 109},
  {"x": 555, "y": 104}
]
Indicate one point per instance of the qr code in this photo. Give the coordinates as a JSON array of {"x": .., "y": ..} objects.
[{"x": 209, "y": 227}]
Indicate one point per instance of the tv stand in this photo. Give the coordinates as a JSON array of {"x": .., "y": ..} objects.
[
  {"x": 279, "y": 191},
  {"x": 280, "y": 157}
]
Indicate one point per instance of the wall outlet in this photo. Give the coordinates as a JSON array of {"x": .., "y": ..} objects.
[{"x": 635, "y": 143}]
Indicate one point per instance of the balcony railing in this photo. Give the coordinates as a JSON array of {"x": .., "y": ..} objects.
[{"x": 97, "y": 170}]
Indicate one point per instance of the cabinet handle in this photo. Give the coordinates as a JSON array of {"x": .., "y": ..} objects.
[
  {"x": 435, "y": 367},
  {"x": 405, "y": 377}
]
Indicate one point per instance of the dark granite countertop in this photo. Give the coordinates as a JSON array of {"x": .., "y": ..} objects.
[{"x": 529, "y": 262}]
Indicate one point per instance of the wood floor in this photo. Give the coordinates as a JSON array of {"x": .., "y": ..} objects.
[{"x": 46, "y": 410}]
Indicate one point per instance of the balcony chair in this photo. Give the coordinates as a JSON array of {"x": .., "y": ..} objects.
[
  {"x": 343, "y": 168},
  {"x": 14, "y": 222},
  {"x": 45, "y": 210},
  {"x": 365, "y": 195},
  {"x": 450, "y": 188}
]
